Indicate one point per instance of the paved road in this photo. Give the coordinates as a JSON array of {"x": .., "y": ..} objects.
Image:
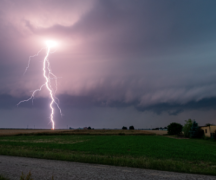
[{"x": 42, "y": 169}]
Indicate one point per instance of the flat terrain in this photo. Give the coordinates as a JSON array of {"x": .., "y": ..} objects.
[
  {"x": 8, "y": 132},
  {"x": 158, "y": 132},
  {"x": 41, "y": 169},
  {"x": 142, "y": 151}
]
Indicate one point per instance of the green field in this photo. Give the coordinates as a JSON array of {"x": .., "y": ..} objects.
[
  {"x": 143, "y": 151},
  {"x": 3, "y": 178}
]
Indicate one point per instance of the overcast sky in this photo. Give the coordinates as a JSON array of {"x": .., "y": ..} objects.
[{"x": 145, "y": 63}]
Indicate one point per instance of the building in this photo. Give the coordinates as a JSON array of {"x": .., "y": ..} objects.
[{"x": 209, "y": 131}]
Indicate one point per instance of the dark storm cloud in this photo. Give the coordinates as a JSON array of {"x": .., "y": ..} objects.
[
  {"x": 10, "y": 102},
  {"x": 70, "y": 102},
  {"x": 151, "y": 55},
  {"x": 171, "y": 109},
  {"x": 175, "y": 109}
]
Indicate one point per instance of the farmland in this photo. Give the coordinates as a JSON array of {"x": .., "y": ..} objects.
[
  {"x": 115, "y": 148},
  {"x": 11, "y": 132}
]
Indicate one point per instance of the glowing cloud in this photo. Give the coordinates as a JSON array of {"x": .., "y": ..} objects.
[{"x": 51, "y": 43}]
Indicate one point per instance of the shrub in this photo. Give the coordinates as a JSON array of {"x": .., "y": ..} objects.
[
  {"x": 124, "y": 128},
  {"x": 131, "y": 127},
  {"x": 199, "y": 133},
  {"x": 214, "y": 135},
  {"x": 206, "y": 138},
  {"x": 121, "y": 134},
  {"x": 187, "y": 127},
  {"x": 27, "y": 177},
  {"x": 174, "y": 129}
]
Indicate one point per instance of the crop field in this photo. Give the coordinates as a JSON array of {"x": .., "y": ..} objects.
[
  {"x": 11, "y": 132},
  {"x": 143, "y": 151}
]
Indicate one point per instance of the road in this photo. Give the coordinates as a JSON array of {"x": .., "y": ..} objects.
[{"x": 41, "y": 169}]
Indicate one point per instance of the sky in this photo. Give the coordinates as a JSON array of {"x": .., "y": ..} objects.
[{"x": 145, "y": 63}]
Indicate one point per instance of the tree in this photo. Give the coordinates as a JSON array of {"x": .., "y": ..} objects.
[
  {"x": 196, "y": 131},
  {"x": 131, "y": 127},
  {"x": 89, "y": 127},
  {"x": 124, "y": 128},
  {"x": 187, "y": 127},
  {"x": 193, "y": 129},
  {"x": 174, "y": 128},
  {"x": 208, "y": 124}
]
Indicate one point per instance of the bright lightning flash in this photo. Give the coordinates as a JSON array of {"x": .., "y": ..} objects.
[
  {"x": 48, "y": 75},
  {"x": 51, "y": 44}
]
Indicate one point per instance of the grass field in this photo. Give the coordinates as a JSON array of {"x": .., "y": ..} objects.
[
  {"x": 3, "y": 178},
  {"x": 143, "y": 151}
]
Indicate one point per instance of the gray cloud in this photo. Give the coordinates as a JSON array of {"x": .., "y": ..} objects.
[
  {"x": 83, "y": 102},
  {"x": 150, "y": 55}
]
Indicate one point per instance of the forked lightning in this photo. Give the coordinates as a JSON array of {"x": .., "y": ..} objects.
[{"x": 48, "y": 75}]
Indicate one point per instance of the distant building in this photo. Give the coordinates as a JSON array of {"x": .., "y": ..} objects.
[{"x": 209, "y": 131}]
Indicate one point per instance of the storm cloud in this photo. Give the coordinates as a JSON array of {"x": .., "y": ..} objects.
[{"x": 151, "y": 55}]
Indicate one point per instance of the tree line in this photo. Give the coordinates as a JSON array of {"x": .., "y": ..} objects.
[{"x": 189, "y": 130}]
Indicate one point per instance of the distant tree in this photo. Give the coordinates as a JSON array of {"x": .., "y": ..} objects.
[
  {"x": 165, "y": 127},
  {"x": 187, "y": 127},
  {"x": 131, "y": 127},
  {"x": 208, "y": 124},
  {"x": 124, "y": 128},
  {"x": 89, "y": 127},
  {"x": 174, "y": 128},
  {"x": 196, "y": 131}
]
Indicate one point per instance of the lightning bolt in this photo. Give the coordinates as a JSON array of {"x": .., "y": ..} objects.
[
  {"x": 48, "y": 75},
  {"x": 30, "y": 60}
]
